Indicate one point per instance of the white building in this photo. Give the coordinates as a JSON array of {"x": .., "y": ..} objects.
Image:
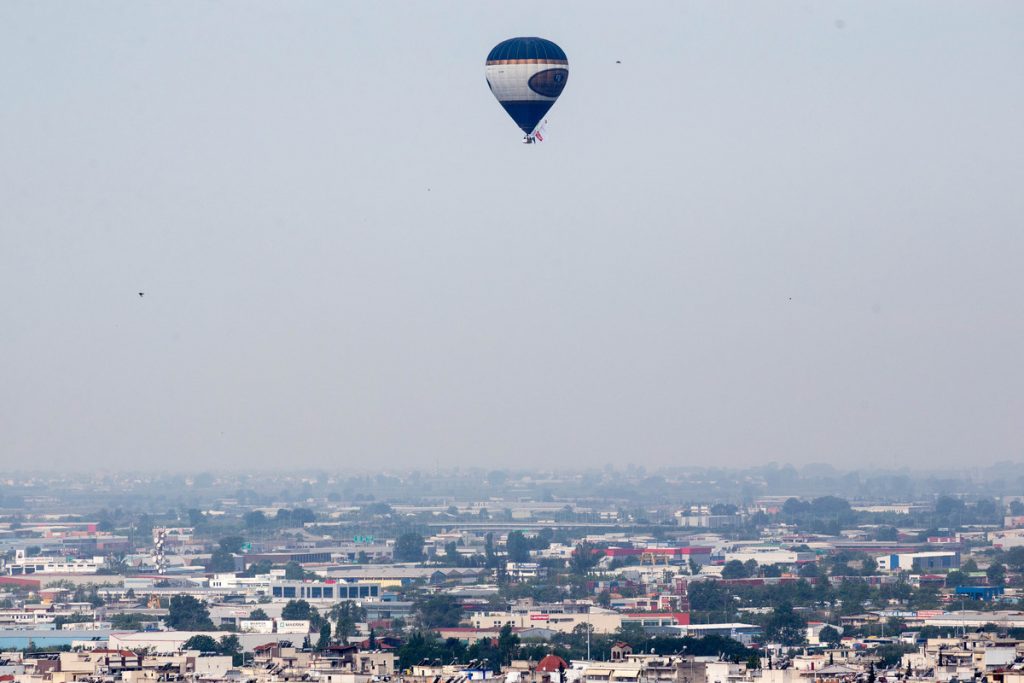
[
  {"x": 600, "y": 620},
  {"x": 525, "y": 571},
  {"x": 769, "y": 555},
  {"x": 23, "y": 565},
  {"x": 255, "y": 584},
  {"x": 701, "y": 517},
  {"x": 329, "y": 591},
  {"x": 942, "y": 560}
]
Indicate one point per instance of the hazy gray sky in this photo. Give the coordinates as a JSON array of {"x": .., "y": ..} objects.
[{"x": 775, "y": 231}]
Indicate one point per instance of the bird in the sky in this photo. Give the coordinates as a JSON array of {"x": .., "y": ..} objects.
[{"x": 141, "y": 294}]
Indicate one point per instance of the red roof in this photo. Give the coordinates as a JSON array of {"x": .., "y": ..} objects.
[{"x": 551, "y": 663}]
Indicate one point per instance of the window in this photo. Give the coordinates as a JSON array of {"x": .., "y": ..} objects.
[
  {"x": 316, "y": 592},
  {"x": 289, "y": 592},
  {"x": 277, "y": 591},
  {"x": 328, "y": 592}
]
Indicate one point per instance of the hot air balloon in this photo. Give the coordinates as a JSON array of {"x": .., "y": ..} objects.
[{"x": 527, "y": 75}]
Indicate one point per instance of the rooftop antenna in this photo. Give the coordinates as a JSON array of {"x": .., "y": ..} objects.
[{"x": 160, "y": 535}]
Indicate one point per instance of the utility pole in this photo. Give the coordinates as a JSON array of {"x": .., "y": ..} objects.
[{"x": 589, "y": 607}]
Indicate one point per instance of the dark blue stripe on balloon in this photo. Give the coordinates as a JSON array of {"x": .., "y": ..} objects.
[
  {"x": 526, "y": 48},
  {"x": 527, "y": 113}
]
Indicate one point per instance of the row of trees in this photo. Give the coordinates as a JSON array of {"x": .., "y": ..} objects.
[
  {"x": 427, "y": 646},
  {"x": 185, "y": 613},
  {"x": 717, "y": 602},
  {"x": 227, "y": 645}
]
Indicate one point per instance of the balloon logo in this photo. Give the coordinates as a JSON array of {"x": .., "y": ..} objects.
[{"x": 527, "y": 75}]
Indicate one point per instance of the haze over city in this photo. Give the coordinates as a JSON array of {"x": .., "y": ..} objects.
[{"x": 767, "y": 232}]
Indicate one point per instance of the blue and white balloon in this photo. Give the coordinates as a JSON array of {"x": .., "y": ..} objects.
[{"x": 527, "y": 75}]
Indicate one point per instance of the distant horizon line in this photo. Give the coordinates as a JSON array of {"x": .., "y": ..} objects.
[{"x": 814, "y": 469}]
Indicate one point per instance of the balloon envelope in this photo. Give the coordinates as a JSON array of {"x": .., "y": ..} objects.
[{"x": 527, "y": 75}]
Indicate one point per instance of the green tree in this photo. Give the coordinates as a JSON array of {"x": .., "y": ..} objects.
[
  {"x": 230, "y": 646},
  {"x": 996, "y": 574},
  {"x": 223, "y": 557},
  {"x": 949, "y": 511},
  {"x": 439, "y": 611},
  {"x": 924, "y": 598},
  {"x": 293, "y": 571},
  {"x": 258, "y": 615},
  {"x": 518, "y": 547},
  {"x": 809, "y": 570},
  {"x": 409, "y": 547},
  {"x": 956, "y": 578},
  {"x": 634, "y": 634},
  {"x": 707, "y": 596},
  {"x": 75, "y": 618},
  {"x": 1014, "y": 557},
  {"x": 196, "y": 518},
  {"x": 254, "y": 520},
  {"x": 830, "y": 635},
  {"x": 891, "y": 654},
  {"x": 507, "y": 644},
  {"x": 302, "y": 516},
  {"x": 986, "y": 510},
  {"x": 257, "y": 569},
  {"x": 424, "y": 646},
  {"x": 324, "y": 641},
  {"x": 298, "y": 610},
  {"x": 734, "y": 569},
  {"x": 221, "y": 561},
  {"x": 785, "y": 626},
  {"x": 201, "y": 643},
  {"x": 185, "y": 613},
  {"x": 489, "y": 549},
  {"x": 584, "y": 558},
  {"x": 127, "y": 622},
  {"x": 346, "y": 615},
  {"x": 231, "y": 544},
  {"x": 115, "y": 563}
]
